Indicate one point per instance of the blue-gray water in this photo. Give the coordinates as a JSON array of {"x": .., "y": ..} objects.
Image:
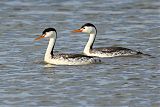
[{"x": 26, "y": 81}]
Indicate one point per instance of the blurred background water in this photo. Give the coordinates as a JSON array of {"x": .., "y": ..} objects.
[{"x": 25, "y": 80}]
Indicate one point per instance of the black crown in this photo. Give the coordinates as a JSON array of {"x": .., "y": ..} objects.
[{"x": 48, "y": 30}]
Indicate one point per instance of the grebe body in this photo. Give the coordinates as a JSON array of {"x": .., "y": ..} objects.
[
  {"x": 104, "y": 51},
  {"x": 62, "y": 59}
]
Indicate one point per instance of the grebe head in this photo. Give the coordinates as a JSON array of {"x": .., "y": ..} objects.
[
  {"x": 87, "y": 28},
  {"x": 49, "y": 32}
]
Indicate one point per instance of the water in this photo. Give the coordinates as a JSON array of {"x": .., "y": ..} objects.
[{"x": 25, "y": 80}]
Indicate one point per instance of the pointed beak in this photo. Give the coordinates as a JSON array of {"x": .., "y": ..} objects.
[
  {"x": 77, "y": 30},
  {"x": 40, "y": 37}
]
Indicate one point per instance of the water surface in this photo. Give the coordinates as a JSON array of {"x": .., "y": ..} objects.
[{"x": 118, "y": 82}]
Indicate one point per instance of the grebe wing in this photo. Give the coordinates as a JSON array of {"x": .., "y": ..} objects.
[
  {"x": 112, "y": 49},
  {"x": 72, "y": 55}
]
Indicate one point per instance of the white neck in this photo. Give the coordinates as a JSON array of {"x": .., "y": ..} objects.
[
  {"x": 48, "y": 54},
  {"x": 89, "y": 43}
]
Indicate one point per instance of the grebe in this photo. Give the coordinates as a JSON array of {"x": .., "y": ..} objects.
[
  {"x": 104, "y": 51},
  {"x": 62, "y": 59}
]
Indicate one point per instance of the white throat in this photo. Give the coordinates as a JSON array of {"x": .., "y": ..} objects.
[
  {"x": 89, "y": 43},
  {"x": 50, "y": 47}
]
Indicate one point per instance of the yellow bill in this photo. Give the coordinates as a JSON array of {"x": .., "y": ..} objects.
[{"x": 40, "y": 37}]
